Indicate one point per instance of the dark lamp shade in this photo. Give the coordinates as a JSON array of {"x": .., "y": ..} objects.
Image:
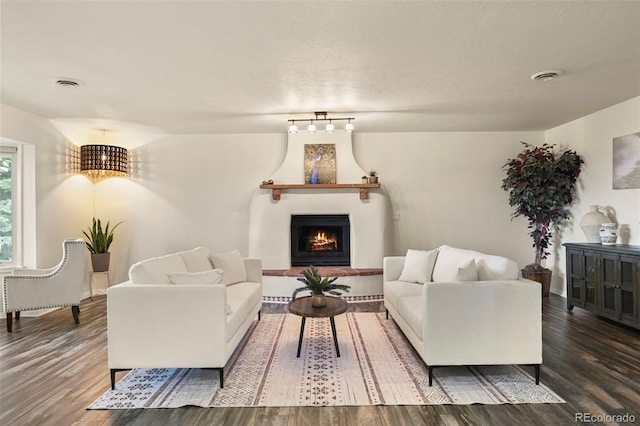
[{"x": 103, "y": 160}]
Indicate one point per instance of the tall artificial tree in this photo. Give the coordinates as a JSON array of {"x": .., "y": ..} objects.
[{"x": 541, "y": 182}]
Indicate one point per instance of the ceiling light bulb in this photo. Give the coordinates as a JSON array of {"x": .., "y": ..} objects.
[
  {"x": 348, "y": 127},
  {"x": 330, "y": 127},
  {"x": 293, "y": 129},
  {"x": 311, "y": 128}
]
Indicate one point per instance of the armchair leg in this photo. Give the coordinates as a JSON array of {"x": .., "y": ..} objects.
[
  {"x": 259, "y": 314},
  {"x": 387, "y": 311},
  {"x": 430, "y": 375},
  {"x": 9, "y": 321},
  {"x": 17, "y": 315},
  {"x": 75, "y": 310},
  {"x": 537, "y": 368},
  {"x": 221, "y": 370}
]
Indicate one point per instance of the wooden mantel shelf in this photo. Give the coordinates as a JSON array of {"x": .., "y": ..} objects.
[{"x": 276, "y": 189}]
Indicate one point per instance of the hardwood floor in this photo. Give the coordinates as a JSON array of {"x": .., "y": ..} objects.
[{"x": 51, "y": 370}]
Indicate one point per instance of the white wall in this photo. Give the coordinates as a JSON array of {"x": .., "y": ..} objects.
[
  {"x": 62, "y": 199},
  {"x": 445, "y": 189},
  {"x": 187, "y": 191},
  {"x": 591, "y": 137},
  {"x": 190, "y": 190}
]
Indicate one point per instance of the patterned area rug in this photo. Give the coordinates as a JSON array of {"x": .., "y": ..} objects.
[{"x": 377, "y": 366}]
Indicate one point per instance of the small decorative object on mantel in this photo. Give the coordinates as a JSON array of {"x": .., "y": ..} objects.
[
  {"x": 98, "y": 242},
  {"x": 365, "y": 179},
  {"x": 541, "y": 183},
  {"x": 373, "y": 176},
  {"x": 592, "y": 221},
  {"x": 609, "y": 233},
  {"x": 318, "y": 286},
  {"x": 267, "y": 182}
]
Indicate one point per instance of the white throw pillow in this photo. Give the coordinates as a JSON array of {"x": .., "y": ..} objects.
[
  {"x": 212, "y": 276},
  {"x": 232, "y": 265},
  {"x": 196, "y": 260},
  {"x": 418, "y": 266},
  {"x": 467, "y": 271}
]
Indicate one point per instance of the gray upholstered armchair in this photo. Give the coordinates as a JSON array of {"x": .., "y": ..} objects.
[{"x": 29, "y": 289}]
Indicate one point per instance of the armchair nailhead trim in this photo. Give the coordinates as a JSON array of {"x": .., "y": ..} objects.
[{"x": 65, "y": 259}]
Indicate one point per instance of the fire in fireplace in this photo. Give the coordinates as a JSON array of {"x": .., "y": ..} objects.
[{"x": 320, "y": 240}]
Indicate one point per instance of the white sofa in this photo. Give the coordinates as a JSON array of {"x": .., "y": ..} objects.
[
  {"x": 461, "y": 307},
  {"x": 185, "y": 310}
]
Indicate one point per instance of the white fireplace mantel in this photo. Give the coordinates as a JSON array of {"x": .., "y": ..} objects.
[{"x": 270, "y": 220}]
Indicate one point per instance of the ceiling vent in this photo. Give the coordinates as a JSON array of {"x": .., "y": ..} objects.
[
  {"x": 67, "y": 82},
  {"x": 546, "y": 75}
]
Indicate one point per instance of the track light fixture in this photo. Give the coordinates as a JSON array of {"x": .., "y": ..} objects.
[{"x": 321, "y": 116}]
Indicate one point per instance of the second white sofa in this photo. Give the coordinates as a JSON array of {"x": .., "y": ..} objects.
[
  {"x": 184, "y": 310},
  {"x": 461, "y": 307}
]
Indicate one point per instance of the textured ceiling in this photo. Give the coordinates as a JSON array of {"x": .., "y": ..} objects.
[{"x": 247, "y": 67}]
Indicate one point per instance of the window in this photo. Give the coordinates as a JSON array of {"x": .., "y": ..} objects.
[{"x": 9, "y": 206}]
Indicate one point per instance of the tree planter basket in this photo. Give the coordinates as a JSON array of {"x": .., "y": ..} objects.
[{"x": 544, "y": 278}]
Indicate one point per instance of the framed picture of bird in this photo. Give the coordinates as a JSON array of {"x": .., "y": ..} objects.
[{"x": 319, "y": 163}]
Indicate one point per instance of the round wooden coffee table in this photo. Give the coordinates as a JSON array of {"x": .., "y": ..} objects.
[{"x": 302, "y": 307}]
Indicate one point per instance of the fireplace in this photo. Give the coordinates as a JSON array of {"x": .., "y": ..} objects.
[{"x": 320, "y": 240}]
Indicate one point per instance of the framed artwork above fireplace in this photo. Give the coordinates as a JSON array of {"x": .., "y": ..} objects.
[{"x": 319, "y": 163}]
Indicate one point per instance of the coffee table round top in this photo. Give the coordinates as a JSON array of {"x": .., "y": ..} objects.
[{"x": 302, "y": 306}]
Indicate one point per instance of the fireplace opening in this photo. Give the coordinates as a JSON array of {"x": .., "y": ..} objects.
[{"x": 320, "y": 240}]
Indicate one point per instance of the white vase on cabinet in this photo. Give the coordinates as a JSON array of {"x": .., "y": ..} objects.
[
  {"x": 609, "y": 233},
  {"x": 591, "y": 223}
]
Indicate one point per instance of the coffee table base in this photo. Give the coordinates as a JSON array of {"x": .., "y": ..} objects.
[{"x": 333, "y": 331}]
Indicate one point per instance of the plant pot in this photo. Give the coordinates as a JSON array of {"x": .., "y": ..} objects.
[
  {"x": 365, "y": 180},
  {"x": 318, "y": 300},
  {"x": 543, "y": 277},
  {"x": 373, "y": 179},
  {"x": 100, "y": 261}
]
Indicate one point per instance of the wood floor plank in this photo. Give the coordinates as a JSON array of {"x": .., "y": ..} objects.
[{"x": 52, "y": 369}]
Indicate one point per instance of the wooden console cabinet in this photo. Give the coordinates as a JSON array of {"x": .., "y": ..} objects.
[{"x": 604, "y": 280}]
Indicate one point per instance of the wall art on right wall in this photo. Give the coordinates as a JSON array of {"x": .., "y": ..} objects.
[{"x": 626, "y": 161}]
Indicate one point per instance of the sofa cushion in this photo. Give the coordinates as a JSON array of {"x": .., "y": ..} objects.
[
  {"x": 212, "y": 276},
  {"x": 467, "y": 271},
  {"x": 394, "y": 290},
  {"x": 232, "y": 265},
  {"x": 242, "y": 297},
  {"x": 155, "y": 270},
  {"x": 418, "y": 266},
  {"x": 197, "y": 259},
  {"x": 489, "y": 267}
]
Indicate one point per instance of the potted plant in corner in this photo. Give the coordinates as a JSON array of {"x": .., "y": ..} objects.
[
  {"x": 373, "y": 176},
  {"x": 98, "y": 242},
  {"x": 541, "y": 182},
  {"x": 318, "y": 286}
]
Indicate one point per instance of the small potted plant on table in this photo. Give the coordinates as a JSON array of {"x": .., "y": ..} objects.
[
  {"x": 373, "y": 176},
  {"x": 98, "y": 242},
  {"x": 318, "y": 286}
]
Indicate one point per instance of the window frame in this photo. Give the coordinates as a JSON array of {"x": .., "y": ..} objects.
[{"x": 15, "y": 151}]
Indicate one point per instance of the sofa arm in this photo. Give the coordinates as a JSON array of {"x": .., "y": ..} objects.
[
  {"x": 254, "y": 269},
  {"x": 482, "y": 322},
  {"x": 392, "y": 268},
  {"x": 166, "y": 326}
]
